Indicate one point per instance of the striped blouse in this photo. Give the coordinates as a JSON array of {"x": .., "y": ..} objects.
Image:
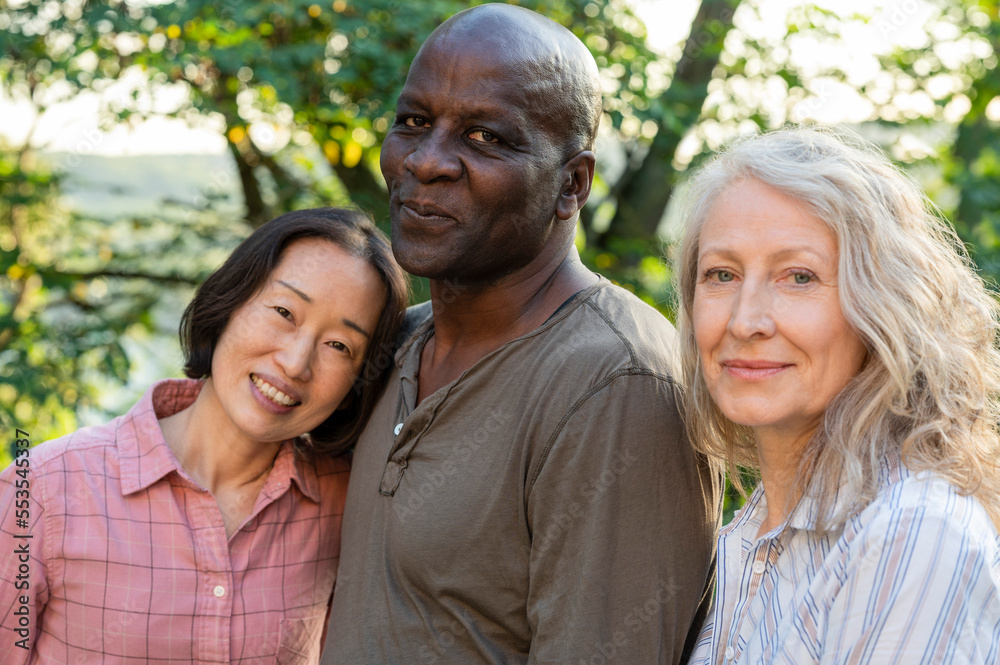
[{"x": 914, "y": 578}]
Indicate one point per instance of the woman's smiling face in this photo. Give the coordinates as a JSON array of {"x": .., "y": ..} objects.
[
  {"x": 774, "y": 344},
  {"x": 289, "y": 356}
]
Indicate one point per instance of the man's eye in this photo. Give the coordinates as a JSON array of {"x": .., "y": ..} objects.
[
  {"x": 414, "y": 121},
  {"x": 483, "y": 136}
]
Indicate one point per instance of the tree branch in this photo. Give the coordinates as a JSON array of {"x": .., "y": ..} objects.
[{"x": 121, "y": 274}]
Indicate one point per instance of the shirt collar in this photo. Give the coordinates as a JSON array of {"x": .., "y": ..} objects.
[
  {"x": 289, "y": 465},
  {"x": 751, "y": 514},
  {"x": 749, "y": 518},
  {"x": 144, "y": 454},
  {"x": 420, "y": 322},
  {"x": 806, "y": 514},
  {"x": 145, "y": 457}
]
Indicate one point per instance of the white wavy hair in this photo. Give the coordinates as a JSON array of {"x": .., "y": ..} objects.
[{"x": 928, "y": 389}]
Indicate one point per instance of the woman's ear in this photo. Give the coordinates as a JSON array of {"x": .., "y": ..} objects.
[{"x": 578, "y": 176}]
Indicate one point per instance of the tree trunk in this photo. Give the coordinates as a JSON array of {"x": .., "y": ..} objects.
[
  {"x": 366, "y": 191},
  {"x": 646, "y": 190},
  {"x": 256, "y": 210}
]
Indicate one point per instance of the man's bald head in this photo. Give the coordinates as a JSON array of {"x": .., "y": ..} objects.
[{"x": 558, "y": 73}]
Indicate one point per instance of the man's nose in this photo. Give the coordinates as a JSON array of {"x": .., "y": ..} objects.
[
  {"x": 435, "y": 158},
  {"x": 754, "y": 311}
]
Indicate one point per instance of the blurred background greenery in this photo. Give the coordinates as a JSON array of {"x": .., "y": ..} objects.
[{"x": 99, "y": 252}]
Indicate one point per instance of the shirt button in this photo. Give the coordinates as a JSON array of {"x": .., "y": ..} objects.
[
  {"x": 730, "y": 653},
  {"x": 758, "y": 567},
  {"x": 219, "y": 591},
  {"x": 399, "y": 428}
]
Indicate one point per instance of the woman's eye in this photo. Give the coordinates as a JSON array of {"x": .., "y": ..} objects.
[
  {"x": 339, "y": 346},
  {"x": 483, "y": 136},
  {"x": 282, "y": 311},
  {"x": 721, "y": 275},
  {"x": 802, "y": 278}
]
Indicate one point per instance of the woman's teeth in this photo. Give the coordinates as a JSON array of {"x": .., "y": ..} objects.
[{"x": 271, "y": 392}]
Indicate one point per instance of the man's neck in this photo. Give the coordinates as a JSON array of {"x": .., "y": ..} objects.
[{"x": 471, "y": 320}]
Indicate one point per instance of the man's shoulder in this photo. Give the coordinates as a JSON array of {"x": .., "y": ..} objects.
[
  {"x": 416, "y": 316},
  {"x": 630, "y": 314},
  {"x": 613, "y": 318}
]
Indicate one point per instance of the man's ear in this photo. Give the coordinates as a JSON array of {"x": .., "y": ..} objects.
[{"x": 578, "y": 176}]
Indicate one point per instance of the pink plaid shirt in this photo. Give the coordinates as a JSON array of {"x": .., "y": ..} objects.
[{"x": 129, "y": 562}]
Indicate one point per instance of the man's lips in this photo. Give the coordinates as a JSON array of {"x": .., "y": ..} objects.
[
  {"x": 425, "y": 209},
  {"x": 753, "y": 369},
  {"x": 425, "y": 212}
]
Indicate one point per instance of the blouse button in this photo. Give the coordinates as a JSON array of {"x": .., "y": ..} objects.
[
  {"x": 758, "y": 567},
  {"x": 399, "y": 428},
  {"x": 730, "y": 653},
  {"x": 219, "y": 591}
]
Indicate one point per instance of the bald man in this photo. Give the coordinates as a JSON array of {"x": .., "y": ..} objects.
[{"x": 524, "y": 491}]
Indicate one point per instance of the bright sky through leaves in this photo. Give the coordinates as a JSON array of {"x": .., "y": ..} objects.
[{"x": 894, "y": 23}]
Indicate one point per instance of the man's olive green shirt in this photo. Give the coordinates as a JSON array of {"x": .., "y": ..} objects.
[{"x": 545, "y": 507}]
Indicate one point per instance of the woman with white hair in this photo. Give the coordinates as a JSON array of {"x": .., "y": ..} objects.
[{"x": 836, "y": 339}]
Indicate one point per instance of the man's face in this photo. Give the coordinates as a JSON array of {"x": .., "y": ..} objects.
[{"x": 473, "y": 170}]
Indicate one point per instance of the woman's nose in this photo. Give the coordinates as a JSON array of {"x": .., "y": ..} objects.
[
  {"x": 295, "y": 356},
  {"x": 753, "y": 311}
]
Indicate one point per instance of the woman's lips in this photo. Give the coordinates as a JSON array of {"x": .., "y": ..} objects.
[
  {"x": 754, "y": 370},
  {"x": 272, "y": 393}
]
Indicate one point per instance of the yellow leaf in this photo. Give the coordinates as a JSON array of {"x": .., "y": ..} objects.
[
  {"x": 352, "y": 154},
  {"x": 23, "y": 411},
  {"x": 332, "y": 151}
]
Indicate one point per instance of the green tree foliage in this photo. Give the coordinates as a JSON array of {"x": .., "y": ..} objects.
[
  {"x": 62, "y": 316},
  {"x": 972, "y": 165},
  {"x": 72, "y": 289}
]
